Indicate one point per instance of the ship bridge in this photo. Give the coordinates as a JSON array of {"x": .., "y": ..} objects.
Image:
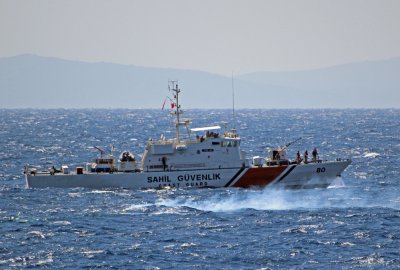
[{"x": 208, "y": 149}]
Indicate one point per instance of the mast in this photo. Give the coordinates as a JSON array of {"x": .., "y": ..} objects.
[{"x": 176, "y": 91}]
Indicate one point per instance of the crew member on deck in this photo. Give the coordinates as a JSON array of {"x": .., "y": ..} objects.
[
  {"x": 164, "y": 162},
  {"x": 314, "y": 154},
  {"x": 298, "y": 158},
  {"x": 277, "y": 157},
  {"x": 306, "y": 157}
]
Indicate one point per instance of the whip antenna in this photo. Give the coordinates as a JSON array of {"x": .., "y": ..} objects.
[{"x": 233, "y": 106}]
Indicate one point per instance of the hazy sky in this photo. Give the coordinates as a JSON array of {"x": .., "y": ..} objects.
[{"x": 217, "y": 36}]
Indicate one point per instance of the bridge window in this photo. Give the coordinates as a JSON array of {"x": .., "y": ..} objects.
[{"x": 230, "y": 143}]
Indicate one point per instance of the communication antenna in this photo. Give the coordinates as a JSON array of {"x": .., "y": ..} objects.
[{"x": 233, "y": 106}]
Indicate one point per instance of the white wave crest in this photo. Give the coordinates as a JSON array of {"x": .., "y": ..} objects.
[{"x": 371, "y": 155}]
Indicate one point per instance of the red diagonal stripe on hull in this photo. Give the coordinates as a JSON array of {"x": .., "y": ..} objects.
[{"x": 259, "y": 176}]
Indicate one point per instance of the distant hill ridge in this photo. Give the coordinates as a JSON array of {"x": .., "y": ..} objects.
[{"x": 29, "y": 81}]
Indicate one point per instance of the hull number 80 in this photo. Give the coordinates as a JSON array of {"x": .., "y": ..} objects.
[{"x": 321, "y": 170}]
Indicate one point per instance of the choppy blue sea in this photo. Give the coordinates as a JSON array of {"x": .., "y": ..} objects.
[{"x": 353, "y": 225}]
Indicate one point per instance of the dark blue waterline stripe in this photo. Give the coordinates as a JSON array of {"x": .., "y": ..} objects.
[
  {"x": 286, "y": 174},
  {"x": 234, "y": 177}
]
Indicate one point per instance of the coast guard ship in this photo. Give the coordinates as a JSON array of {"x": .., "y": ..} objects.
[{"x": 206, "y": 157}]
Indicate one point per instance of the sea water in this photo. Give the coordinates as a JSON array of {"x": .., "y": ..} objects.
[{"x": 353, "y": 224}]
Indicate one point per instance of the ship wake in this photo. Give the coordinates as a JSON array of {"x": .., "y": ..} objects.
[{"x": 271, "y": 199}]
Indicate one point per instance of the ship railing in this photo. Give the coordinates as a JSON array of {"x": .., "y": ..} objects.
[
  {"x": 171, "y": 141},
  {"x": 160, "y": 142},
  {"x": 231, "y": 135},
  {"x": 323, "y": 160}
]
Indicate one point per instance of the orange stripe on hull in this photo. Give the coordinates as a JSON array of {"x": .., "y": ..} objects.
[{"x": 259, "y": 176}]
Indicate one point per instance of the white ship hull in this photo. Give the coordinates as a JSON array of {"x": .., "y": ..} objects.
[{"x": 311, "y": 175}]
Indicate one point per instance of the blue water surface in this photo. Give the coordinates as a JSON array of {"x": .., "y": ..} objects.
[{"x": 354, "y": 224}]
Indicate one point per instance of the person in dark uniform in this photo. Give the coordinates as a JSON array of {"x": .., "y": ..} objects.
[
  {"x": 306, "y": 157},
  {"x": 164, "y": 162},
  {"x": 314, "y": 154},
  {"x": 298, "y": 157}
]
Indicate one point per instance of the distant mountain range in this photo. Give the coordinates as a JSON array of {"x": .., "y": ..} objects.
[{"x": 29, "y": 81}]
